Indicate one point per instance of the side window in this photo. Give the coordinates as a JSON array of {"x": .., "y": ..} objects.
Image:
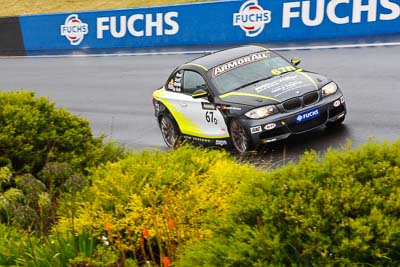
[
  {"x": 175, "y": 82},
  {"x": 192, "y": 81}
]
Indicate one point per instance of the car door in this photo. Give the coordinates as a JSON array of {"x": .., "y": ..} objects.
[{"x": 195, "y": 117}]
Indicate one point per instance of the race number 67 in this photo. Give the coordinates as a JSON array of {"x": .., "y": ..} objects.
[{"x": 210, "y": 117}]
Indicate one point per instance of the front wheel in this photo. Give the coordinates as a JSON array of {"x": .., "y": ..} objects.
[
  {"x": 240, "y": 140},
  {"x": 170, "y": 131}
]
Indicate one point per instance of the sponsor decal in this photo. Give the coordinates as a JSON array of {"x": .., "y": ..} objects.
[
  {"x": 240, "y": 62},
  {"x": 138, "y": 25},
  {"x": 175, "y": 84},
  {"x": 221, "y": 142},
  {"x": 280, "y": 70},
  {"x": 270, "y": 126},
  {"x": 307, "y": 115},
  {"x": 223, "y": 107},
  {"x": 197, "y": 139},
  {"x": 74, "y": 29},
  {"x": 283, "y": 85},
  {"x": 256, "y": 129},
  {"x": 207, "y": 106},
  {"x": 252, "y": 18},
  {"x": 338, "y": 12},
  {"x": 336, "y": 103}
]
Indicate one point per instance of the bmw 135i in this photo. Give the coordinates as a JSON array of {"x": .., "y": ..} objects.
[{"x": 242, "y": 97}]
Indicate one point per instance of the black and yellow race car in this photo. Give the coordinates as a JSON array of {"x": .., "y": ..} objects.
[{"x": 243, "y": 97}]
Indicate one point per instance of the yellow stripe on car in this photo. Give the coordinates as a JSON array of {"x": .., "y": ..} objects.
[
  {"x": 200, "y": 94},
  {"x": 200, "y": 66},
  {"x": 186, "y": 125},
  {"x": 158, "y": 94},
  {"x": 300, "y": 71},
  {"x": 247, "y": 94}
]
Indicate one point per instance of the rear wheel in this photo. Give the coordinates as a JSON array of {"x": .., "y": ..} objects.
[
  {"x": 240, "y": 140},
  {"x": 170, "y": 131},
  {"x": 334, "y": 124}
]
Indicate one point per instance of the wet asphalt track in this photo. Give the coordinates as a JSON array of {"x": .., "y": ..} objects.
[{"x": 114, "y": 94}]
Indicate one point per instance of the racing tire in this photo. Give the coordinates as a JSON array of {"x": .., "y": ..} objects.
[
  {"x": 170, "y": 131},
  {"x": 334, "y": 124},
  {"x": 240, "y": 140}
]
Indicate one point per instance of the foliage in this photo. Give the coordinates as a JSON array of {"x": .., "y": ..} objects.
[
  {"x": 148, "y": 204},
  {"x": 23, "y": 248},
  {"x": 340, "y": 210},
  {"x": 33, "y": 132},
  {"x": 44, "y": 151},
  {"x": 190, "y": 207}
]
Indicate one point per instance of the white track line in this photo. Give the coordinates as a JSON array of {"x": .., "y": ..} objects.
[
  {"x": 312, "y": 47},
  {"x": 337, "y": 46}
]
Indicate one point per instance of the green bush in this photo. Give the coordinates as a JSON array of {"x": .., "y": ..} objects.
[
  {"x": 193, "y": 207},
  {"x": 34, "y": 132},
  {"x": 339, "y": 210},
  {"x": 149, "y": 204},
  {"x": 44, "y": 151},
  {"x": 23, "y": 248}
]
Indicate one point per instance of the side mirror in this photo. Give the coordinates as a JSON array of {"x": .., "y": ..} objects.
[
  {"x": 295, "y": 61},
  {"x": 199, "y": 93}
]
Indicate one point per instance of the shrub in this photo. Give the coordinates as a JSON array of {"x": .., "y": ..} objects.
[
  {"x": 34, "y": 132},
  {"x": 339, "y": 210},
  {"x": 23, "y": 248},
  {"x": 43, "y": 151},
  {"x": 148, "y": 204}
]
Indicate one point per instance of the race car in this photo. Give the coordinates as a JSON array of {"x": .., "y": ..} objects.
[{"x": 243, "y": 97}]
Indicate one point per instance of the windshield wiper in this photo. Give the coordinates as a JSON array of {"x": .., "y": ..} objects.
[{"x": 254, "y": 82}]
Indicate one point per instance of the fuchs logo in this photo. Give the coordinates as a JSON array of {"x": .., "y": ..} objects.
[
  {"x": 299, "y": 118},
  {"x": 252, "y": 18},
  {"x": 308, "y": 115},
  {"x": 74, "y": 29}
]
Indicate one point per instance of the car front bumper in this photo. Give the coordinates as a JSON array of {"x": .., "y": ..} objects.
[{"x": 281, "y": 125}]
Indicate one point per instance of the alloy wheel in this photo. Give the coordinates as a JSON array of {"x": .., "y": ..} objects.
[
  {"x": 169, "y": 132},
  {"x": 239, "y": 137}
]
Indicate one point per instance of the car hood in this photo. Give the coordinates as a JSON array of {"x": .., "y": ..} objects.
[{"x": 277, "y": 89}]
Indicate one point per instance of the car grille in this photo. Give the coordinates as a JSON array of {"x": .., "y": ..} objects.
[
  {"x": 298, "y": 128},
  {"x": 292, "y": 104},
  {"x": 299, "y": 102},
  {"x": 310, "y": 98}
]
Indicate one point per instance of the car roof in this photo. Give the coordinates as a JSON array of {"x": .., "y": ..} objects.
[{"x": 220, "y": 57}]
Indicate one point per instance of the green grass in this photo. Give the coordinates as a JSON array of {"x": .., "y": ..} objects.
[{"x": 22, "y": 7}]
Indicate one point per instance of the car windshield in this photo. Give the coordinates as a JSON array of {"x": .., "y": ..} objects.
[{"x": 248, "y": 74}]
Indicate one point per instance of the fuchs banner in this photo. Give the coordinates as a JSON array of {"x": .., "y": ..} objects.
[{"x": 221, "y": 22}]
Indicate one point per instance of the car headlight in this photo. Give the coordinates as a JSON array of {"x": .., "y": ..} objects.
[
  {"x": 262, "y": 112},
  {"x": 329, "y": 89}
]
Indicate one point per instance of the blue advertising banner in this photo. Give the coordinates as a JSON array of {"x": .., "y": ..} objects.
[{"x": 221, "y": 22}]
